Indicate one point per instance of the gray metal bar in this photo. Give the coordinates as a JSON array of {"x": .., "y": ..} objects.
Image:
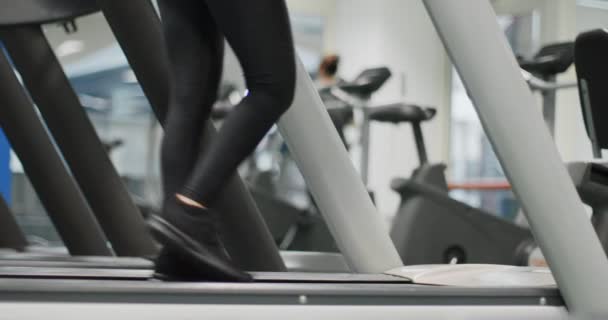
[
  {"x": 55, "y": 187},
  {"x": 365, "y": 146},
  {"x": 11, "y": 236},
  {"x": 548, "y": 87},
  {"x": 419, "y": 138},
  {"x": 357, "y": 227},
  {"x": 246, "y": 235},
  {"x": 76, "y": 138},
  {"x": 526, "y": 151},
  {"x": 538, "y": 84},
  {"x": 549, "y": 102},
  {"x": 276, "y": 307},
  {"x": 597, "y": 150}
]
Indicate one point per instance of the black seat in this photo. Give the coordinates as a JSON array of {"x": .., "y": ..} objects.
[
  {"x": 368, "y": 82},
  {"x": 551, "y": 60},
  {"x": 401, "y": 112},
  {"x": 592, "y": 71}
]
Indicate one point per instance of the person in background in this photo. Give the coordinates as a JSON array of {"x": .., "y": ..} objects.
[
  {"x": 327, "y": 73},
  {"x": 259, "y": 32}
]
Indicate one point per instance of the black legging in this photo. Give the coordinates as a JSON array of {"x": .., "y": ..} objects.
[{"x": 260, "y": 34}]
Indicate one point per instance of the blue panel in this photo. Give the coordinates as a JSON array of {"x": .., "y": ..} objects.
[
  {"x": 5, "y": 157},
  {"x": 5, "y": 170}
]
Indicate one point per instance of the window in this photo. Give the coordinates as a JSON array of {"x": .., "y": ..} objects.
[{"x": 472, "y": 159}]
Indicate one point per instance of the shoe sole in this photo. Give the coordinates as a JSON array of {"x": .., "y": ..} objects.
[{"x": 201, "y": 257}]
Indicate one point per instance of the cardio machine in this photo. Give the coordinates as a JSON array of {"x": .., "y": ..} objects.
[{"x": 430, "y": 227}]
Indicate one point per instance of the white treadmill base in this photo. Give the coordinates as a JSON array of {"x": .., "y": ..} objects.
[{"x": 476, "y": 275}]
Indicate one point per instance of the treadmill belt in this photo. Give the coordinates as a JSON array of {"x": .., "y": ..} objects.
[
  {"x": 75, "y": 273},
  {"x": 146, "y": 274},
  {"x": 74, "y": 262},
  {"x": 302, "y": 277}
]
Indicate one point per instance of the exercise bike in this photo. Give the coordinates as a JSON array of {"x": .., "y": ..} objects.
[{"x": 430, "y": 227}]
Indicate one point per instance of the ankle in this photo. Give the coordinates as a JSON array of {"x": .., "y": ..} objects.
[{"x": 189, "y": 202}]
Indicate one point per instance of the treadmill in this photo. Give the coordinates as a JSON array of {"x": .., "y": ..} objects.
[{"x": 379, "y": 286}]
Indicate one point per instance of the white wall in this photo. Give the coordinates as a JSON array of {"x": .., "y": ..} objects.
[
  {"x": 323, "y": 8},
  {"x": 591, "y": 18},
  {"x": 400, "y": 35}
]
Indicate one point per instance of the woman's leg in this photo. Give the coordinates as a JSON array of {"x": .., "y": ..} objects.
[
  {"x": 191, "y": 244},
  {"x": 260, "y": 34},
  {"x": 196, "y": 51}
]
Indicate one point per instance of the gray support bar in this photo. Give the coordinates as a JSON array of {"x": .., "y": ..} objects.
[
  {"x": 420, "y": 146},
  {"x": 359, "y": 230},
  {"x": 56, "y": 189},
  {"x": 365, "y": 145},
  {"x": 549, "y": 104},
  {"x": 595, "y": 147},
  {"x": 475, "y": 42},
  {"x": 76, "y": 138},
  {"x": 11, "y": 236},
  {"x": 246, "y": 235}
]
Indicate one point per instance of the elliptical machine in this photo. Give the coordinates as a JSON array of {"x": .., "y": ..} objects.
[{"x": 430, "y": 227}]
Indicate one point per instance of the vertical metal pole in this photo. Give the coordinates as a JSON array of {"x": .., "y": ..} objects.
[
  {"x": 55, "y": 187},
  {"x": 365, "y": 146},
  {"x": 595, "y": 147},
  {"x": 474, "y": 41},
  {"x": 359, "y": 230},
  {"x": 549, "y": 101},
  {"x": 11, "y": 236},
  {"x": 247, "y": 237},
  {"x": 419, "y": 139},
  {"x": 76, "y": 138}
]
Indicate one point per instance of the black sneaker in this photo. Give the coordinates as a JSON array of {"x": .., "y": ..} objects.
[{"x": 192, "y": 248}]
